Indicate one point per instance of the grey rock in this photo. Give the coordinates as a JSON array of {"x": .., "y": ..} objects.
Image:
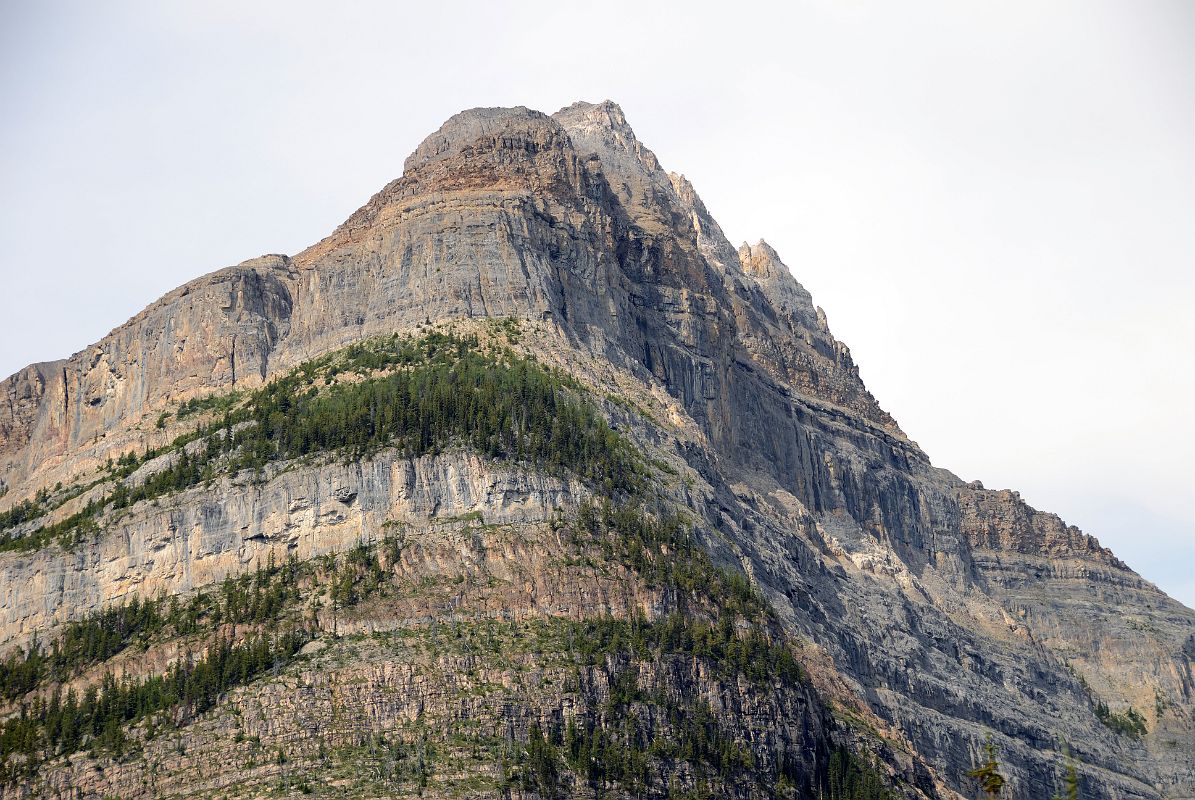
[{"x": 954, "y": 612}]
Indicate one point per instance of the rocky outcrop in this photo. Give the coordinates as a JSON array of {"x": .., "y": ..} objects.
[
  {"x": 1126, "y": 642},
  {"x": 358, "y": 717},
  {"x": 199, "y": 537},
  {"x": 954, "y": 613},
  {"x": 217, "y": 332}
]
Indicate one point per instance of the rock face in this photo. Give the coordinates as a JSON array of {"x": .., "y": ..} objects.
[
  {"x": 200, "y": 537},
  {"x": 217, "y": 331},
  {"x": 950, "y": 612}
]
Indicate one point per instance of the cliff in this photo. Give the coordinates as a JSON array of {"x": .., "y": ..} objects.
[{"x": 926, "y": 614}]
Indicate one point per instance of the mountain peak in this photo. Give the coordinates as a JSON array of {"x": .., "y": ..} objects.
[
  {"x": 602, "y": 129},
  {"x": 606, "y": 114},
  {"x": 460, "y": 130}
]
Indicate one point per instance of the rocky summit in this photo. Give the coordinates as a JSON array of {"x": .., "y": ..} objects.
[{"x": 525, "y": 482}]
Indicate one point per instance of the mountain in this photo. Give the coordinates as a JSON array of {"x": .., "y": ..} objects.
[{"x": 526, "y": 482}]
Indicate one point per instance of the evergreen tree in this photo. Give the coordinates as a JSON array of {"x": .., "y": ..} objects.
[
  {"x": 1071, "y": 779},
  {"x": 991, "y": 782}
]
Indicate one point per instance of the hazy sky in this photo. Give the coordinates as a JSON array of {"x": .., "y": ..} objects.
[{"x": 994, "y": 202}]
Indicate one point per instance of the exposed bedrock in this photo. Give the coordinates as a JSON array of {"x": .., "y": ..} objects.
[{"x": 954, "y": 612}]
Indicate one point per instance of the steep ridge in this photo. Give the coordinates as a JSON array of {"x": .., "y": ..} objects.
[
  {"x": 217, "y": 331},
  {"x": 950, "y": 612}
]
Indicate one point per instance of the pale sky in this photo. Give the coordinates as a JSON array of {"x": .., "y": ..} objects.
[{"x": 994, "y": 202}]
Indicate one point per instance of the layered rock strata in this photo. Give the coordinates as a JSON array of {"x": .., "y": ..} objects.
[{"x": 952, "y": 612}]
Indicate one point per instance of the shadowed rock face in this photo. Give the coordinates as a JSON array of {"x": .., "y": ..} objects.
[{"x": 954, "y": 612}]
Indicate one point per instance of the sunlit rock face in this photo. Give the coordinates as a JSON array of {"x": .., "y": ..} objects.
[{"x": 944, "y": 612}]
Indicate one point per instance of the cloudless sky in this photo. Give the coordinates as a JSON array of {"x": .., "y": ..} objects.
[{"x": 994, "y": 202}]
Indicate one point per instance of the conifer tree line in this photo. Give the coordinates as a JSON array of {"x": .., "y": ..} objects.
[
  {"x": 748, "y": 654},
  {"x": 53, "y": 723},
  {"x": 434, "y": 392},
  {"x": 720, "y": 619},
  {"x": 64, "y": 724},
  {"x": 1129, "y": 723},
  {"x": 604, "y": 755},
  {"x": 257, "y": 597}
]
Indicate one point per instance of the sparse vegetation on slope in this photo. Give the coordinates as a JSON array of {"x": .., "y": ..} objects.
[
  {"x": 1128, "y": 723},
  {"x": 273, "y": 595},
  {"x": 421, "y": 396},
  {"x": 417, "y": 395},
  {"x": 66, "y": 724}
]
